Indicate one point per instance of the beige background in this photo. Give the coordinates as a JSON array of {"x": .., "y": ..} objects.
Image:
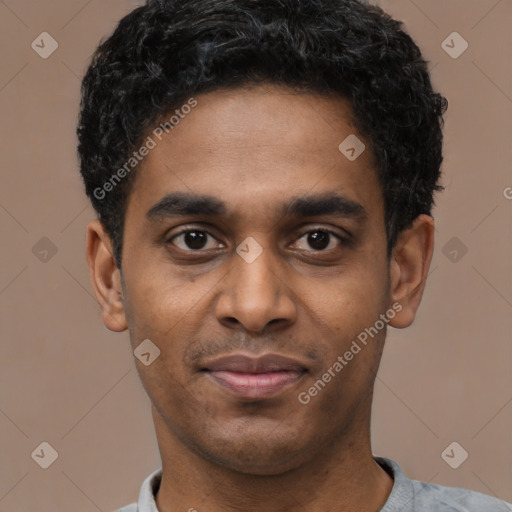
[{"x": 68, "y": 381}]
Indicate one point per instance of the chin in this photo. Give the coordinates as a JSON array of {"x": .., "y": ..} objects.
[
  {"x": 244, "y": 463},
  {"x": 255, "y": 453}
]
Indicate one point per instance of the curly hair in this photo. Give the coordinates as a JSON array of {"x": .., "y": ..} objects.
[{"x": 166, "y": 51}]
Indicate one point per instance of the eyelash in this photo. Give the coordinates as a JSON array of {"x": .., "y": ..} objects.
[{"x": 343, "y": 240}]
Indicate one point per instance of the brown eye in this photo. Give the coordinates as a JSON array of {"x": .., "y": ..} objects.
[
  {"x": 319, "y": 240},
  {"x": 193, "y": 240}
]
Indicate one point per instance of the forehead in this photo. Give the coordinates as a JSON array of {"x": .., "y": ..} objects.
[{"x": 253, "y": 148}]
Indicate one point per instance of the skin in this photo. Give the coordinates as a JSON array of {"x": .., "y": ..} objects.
[{"x": 255, "y": 150}]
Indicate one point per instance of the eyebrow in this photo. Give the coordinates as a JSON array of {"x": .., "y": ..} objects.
[
  {"x": 324, "y": 204},
  {"x": 181, "y": 204}
]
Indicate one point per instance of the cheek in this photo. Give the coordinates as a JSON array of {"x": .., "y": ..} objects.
[
  {"x": 351, "y": 302},
  {"x": 166, "y": 313},
  {"x": 350, "y": 347},
  {"x": 170, "y": 312},
  {"x": 161, "y": 303},
  {"x": 345, "y": 311}
]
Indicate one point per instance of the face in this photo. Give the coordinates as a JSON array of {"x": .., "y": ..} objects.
[{"x": 248, "y": 233}]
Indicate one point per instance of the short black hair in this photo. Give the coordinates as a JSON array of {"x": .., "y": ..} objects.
[{"x": 167, "y": 51}]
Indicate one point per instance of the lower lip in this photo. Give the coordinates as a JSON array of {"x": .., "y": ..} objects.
[{"x": 256, "y": 385}]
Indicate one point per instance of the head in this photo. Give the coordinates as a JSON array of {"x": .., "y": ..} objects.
[{"x": 228, "y": 117}]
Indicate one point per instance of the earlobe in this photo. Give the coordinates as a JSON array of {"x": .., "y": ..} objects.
[
  {"x": 105, "y": 277},
  {"x": 409, "y": 266}
]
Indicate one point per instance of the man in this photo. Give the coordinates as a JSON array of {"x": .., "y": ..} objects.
[{"x": 263, "y": 173}]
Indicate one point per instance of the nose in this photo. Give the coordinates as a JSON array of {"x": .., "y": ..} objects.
[{"x": 255, "y": 295}]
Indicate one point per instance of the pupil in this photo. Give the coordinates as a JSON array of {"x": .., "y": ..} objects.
[
  {"x": 318, "y": 240},
  {"x": 195, "y": 239}
]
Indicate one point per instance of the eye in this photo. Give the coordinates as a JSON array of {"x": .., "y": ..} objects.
[
  {"x": 194, "y": 240},
  {"x": 320, "y": 240}
]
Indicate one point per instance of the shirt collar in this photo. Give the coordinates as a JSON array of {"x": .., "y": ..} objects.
[
  {"x": 401, "y": 492},
  {"x": 148, "y": 492}
]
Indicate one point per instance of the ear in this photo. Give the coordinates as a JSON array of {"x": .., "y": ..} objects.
[
  {"x": 409, "y": 266},
  {"x": 105, "y": 277}
]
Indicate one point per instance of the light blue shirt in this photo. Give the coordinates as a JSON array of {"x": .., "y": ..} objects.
[{"x": 406, "y": 496}]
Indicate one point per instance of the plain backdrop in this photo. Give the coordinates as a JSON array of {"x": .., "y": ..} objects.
[{"x": 67, "y": 381}]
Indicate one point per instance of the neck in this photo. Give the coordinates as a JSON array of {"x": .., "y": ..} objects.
[{"x": 342, "y": 477}]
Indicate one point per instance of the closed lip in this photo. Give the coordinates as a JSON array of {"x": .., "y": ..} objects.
[
  {"x": 255, "y": 378},
  {"x": 267, "y": 363}
]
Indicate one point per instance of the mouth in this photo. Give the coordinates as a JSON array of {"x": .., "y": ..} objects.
[{"x": 255, "y": 378}]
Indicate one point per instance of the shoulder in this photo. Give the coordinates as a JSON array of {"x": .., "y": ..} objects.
[
  {"x": 132, "y": 507},
  {"x": 440, "y": 498},
  {"x": 148, "y": 490},
  {"x": 415, "y": 496}
]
